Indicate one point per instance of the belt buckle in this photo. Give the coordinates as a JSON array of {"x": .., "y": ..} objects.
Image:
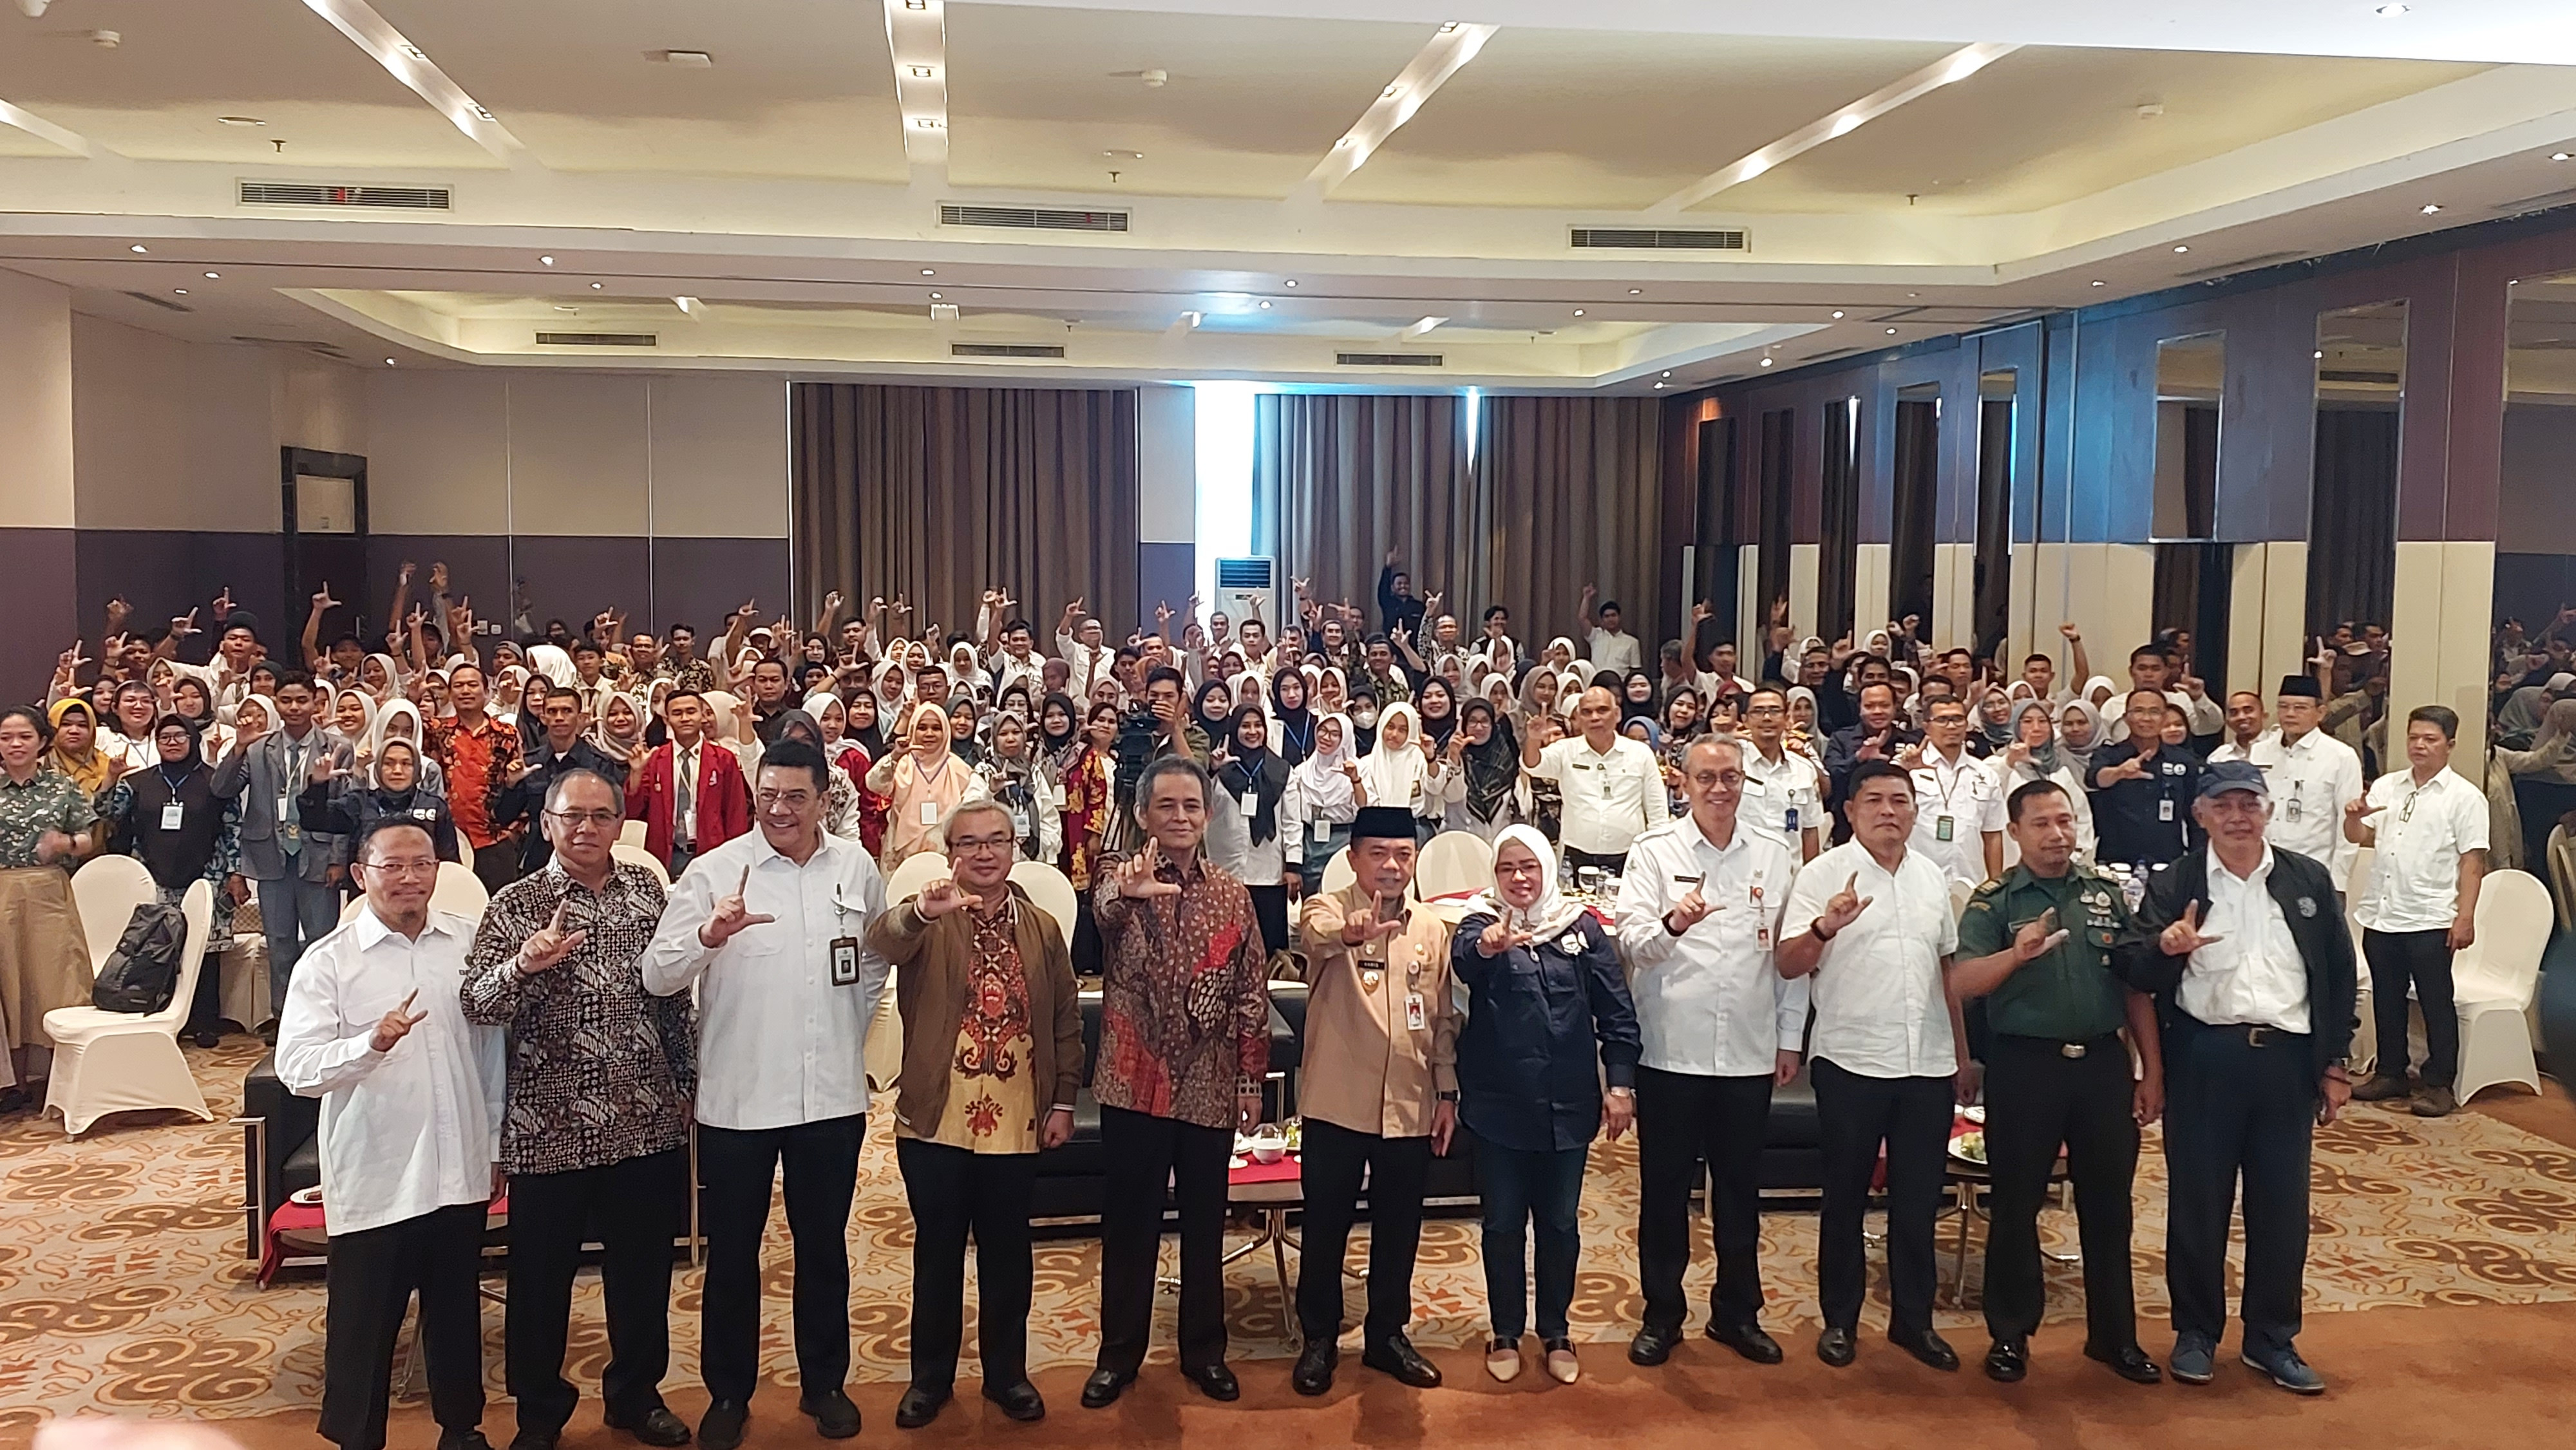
[
  {"x": 2258, "y": 1034},
  {"x": 2071, "y": 1049}
]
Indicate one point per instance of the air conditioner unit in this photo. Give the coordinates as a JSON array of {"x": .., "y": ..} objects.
[{"x": 1245, "y": 587}]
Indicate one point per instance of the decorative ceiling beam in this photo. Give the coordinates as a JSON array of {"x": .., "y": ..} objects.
[
  {"x": 917, "y": 35},
  {"x": 1957, "y": 66},
  {"x": 37, "y": 126},
  {"x": 1442, "y": 56},
  {"x": 411, "y": 65}
]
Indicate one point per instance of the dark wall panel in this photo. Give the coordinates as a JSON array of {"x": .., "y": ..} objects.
[
  {"x": 700, "y": 581},
  {"x": 1166, "y": 573},
  {"x": 43, "y": 611},
  {"x": 164, "y": 573}
]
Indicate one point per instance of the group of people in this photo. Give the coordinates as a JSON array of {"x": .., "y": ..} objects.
[{"x": 2153, "y": 930}]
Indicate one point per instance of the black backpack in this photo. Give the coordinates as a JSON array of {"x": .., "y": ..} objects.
[{"x": 142, "y": 974}]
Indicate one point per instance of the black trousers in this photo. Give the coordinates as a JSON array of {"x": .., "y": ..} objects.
[
  {"x": 2038, "y": 1098},
  {"x": 952, "y": 1190},
  {"x": 2421, "y": 959},
  {"x": 2235, "y": 1111},
  {"x": 1855, "y": 1115},
  {"x": 1086, "y": 938},
  {"x": 1140, "y": 1153},
  {"x": 1616, "y": 863},
  {"x": 1684, "y": 1119},
  {"x": 634, "y": 1210},
  {"x": 372, "y": 1275},
  {"x": 1270, "y": 908},
  {"x": 1396, "y": 1169},
  {"x": 821, "y": 1161}
]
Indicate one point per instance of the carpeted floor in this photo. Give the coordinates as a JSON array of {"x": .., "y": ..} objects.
[{"x": 122, "y": 1290}]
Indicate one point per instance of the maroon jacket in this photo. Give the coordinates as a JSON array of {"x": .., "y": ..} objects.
[{"x": 723, "y": 799}]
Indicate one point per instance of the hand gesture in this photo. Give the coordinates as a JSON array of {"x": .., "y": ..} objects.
[
  {"x": 832, "y": 601},
  {"x": 460, "y": 619},
  {"x": 1501, "y": 937},
  {"x": 1875, "y": 747},
  {"x": 1591, "y": 592},
  {"x": 1457, "y": 745},
  {"x": 324, "y": 768},
  {"x": 1363, "y": 926},
  {"x": 2195, "y": 686},
  {"x": 938, "y": 898},
  {"x": 223, "y": 603},
  {"x": 322, "y": 600},
  {"x": 69, "y": 662},
  {"x": 2037, "y": 939},
  {"x": 1431, "y": 605},
  {"x": 1843, "y": 907},
  {"x": 1701, "y": 611},
  {"x": 517, "y": 772},
  {"x": 2069, "y": 630},
  {"x": 2016, "y": 753},
  {"x": 1300, "y": 586},
  {"x": 438, "y": 575},
  {"x": 1136, "y": 878},
  {"x": 550, "y": 944},
  {"x": 246, "y": 736},
  {"x": 2183, "y": 937},
  {"x": 403, "y": 575},
  {"x": 2356, "y": 810},
  {"x": 1351, "y": 770},
  {"x": 182, "y": 626},
  {"x": 1392, "y": 555},
  {"x": 731, "y": 916},
  {"x": 396, "y": 1025},
  {"x": 118, "y": 611},
  {"x": 2130, "y": 769},
  {"x": 1688, "y": 912},
  {"x": 1911, "y": 757},
  {"x": 1162, "y": 611}
]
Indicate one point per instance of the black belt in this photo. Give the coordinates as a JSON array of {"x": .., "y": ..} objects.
[
  {"x": 2253, "y": 1034},
  {"x": 2064, "y": 1047}
]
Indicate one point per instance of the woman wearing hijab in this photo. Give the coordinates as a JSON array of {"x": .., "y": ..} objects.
[
  {"x": 379, "y": 676},
  {"x": 1400, "y": 770},
  {"x": 350, "y": 806},
  {"x": 2079, "y": 734},
  {"x": 1015, "y": 775},
  {"x": 619, "y": 731},
  {"x": 1997, "y": 723},
  {"x": 1322, "y": 800},
  {"x": 353, "y": 713},
  {"x": 2033, "y": 754},
  {"x": 1549, "y": 1022},
  {"x": 77, "y": 755},
  {"x": 1486, "y": 764},
  {"x": 191, "y": 701},
  {"x": 861, "y": 723},
  {"x": 169, "y": 818},
  {"x": 1332, "y": 692},
  {"x": 922, "y": 782},
  {"x": 1537, "y": 697},
  {"x": 1435, "y": 712},
  {"x": 398, "y": 720},
  {"x": 854, "y": 756},
  {"x": 1802, "y": 720},
  {"x": 1253, "y": 781},
  {"x": 965, "y": 738},
  {"x": 1296, "y": 724},
  {"x": 1636, "y": 690},
  {"x": 1212, "y": 710}
]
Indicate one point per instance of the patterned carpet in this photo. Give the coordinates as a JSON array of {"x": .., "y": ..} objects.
[{"x": 122, "y": 1288}]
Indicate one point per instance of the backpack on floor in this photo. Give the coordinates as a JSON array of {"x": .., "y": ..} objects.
[{"x": 142, "y": 974}]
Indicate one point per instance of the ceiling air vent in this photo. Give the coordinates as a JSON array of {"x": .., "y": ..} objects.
[
  {"x": 2349, "y": 375},
  {"x": 323, "y": 349},
  {"x": 334, "y": 194},
  {"x": 160, "y": 302},
  {"x": 1031, "y": 218},
  {"x": 1660, "y": 239},
  {"x": 2247, "y": 264},
  {"x": 598, "y": 339},
  {"x": 1004, "y": 349},
  {"x": 1387, "y": 359}
]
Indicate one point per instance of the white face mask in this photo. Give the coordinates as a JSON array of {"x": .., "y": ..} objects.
[{"x": 1364, "y": 717}]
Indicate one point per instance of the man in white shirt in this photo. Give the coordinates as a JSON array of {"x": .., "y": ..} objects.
[
  {"x": 1783, "y": 789},
  {"x": 1609, "y": 647},
  {"x": 1959, "y": 804},
  {"x": 2245, "y": 724},
  {"x": 1870, "y": 921},
  {"x": 769, "y": 928},
  {"x": 412, "y": 1097},
  {"x": 1612, "y": 786},
  {"x": 2427, "y": 828},
  {"x": 1083, "y": 644},
  {"x": 1019, "y": 662},
  {"x": 1699, "y": 912},
  {"x": 2252, "y": 969},
  {"x": 2314, "y": 777}
]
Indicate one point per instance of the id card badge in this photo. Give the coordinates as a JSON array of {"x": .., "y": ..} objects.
[
  {"x": 171, "y": 814},
  {"x": 1019, "y": 823},
  {"x": 845, "y": 961},
  {"x": 2293, "y": 812},
  {"x": 1319, "y": 831},
  {"x": 1942, "y": 828},
  {"x": 1793, "y": 820},
  {"x": 930, "y": 813},
  {"x": 1416, "y": 1015},
  {"x": 2164, "y": 810}
]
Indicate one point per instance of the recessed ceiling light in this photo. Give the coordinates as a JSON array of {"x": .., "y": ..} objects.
[
  {"x": 1265, "y": 304},
  {"x": 1838, "y": 312},
  {"x": 923, "y": 72},
  {"x": 1390, "y": 93},
  {"x": 2098, "y": 282},
  {"x": 389, "y": 362},
  {"x": 566, "y": 307},
  {"x": 2562, "y": 155},
  {"x": 1450, "y": 28},
  {"x": 483, "y": 113},
  {"x": 597, "y": 286},
  {"x": 916, "y": 4},
  {"x": 1292, "y": 281},
  {"x": 241, "y": 121},
  {"x": 549, "y": 261},
  {"x": 927, "y": 272},
  {"x": 1124, "y": 155},
  {"x": 214, "y": 276},
  {"x": 1668, "y": 372},
  {"x": 2431, "y": 207},
  {"x": 688, "y": 59},
  {"x": 2179, "y": 250},
  {"x": 2391, "y": 12},
  {"x": 1891, "y": 332},
  {"x": 1766, "y": 362},
  {"x": 1636, "y": 291},
  {"x": 137, "y": 247},
  {"x": 414, "y": 51},
  {"x": 934, "y": 296},
  {"x": 927, "y": 123},
  {"x": 182, "y": 291},
  {"x": 1659, "y": 385},
  {"x": 1578, "y": 312},
  {"x": 2321, "y": 354}
]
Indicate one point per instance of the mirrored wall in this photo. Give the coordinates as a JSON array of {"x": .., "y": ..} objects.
[
  {"x": 2535, "y": 562},
  {"x": 2352, "y": 515},
  {"x": 2192, "y": 576}
]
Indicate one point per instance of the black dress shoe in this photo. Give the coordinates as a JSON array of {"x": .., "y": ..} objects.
[
  {"x": 2008, "y": 1360},
  {"x": 1020, "y": 1401},
  {"x": 2129, "y": 1363},
  {"x": 1928, "y": 1347},
  {"x": 1396, "y": 1357},
  {"x": 1836, "y": 1347},
  {"x": 1314, "y": 1372},
  {"x": 918, "y": 1407},
  {"x": 720, "y": 1428},
  {"x": 1214, "y": 1381},
  {"x": 656, "y": 1426},
  {"x": 835, "y": 1418},
  {"x": 532, "y": 1438},
  {"x": 15, "y": 1099},
  {"x": 1747, "y": 1340},
  {"x": 206, "y": 1037},
  {"x": 1652, "y": 1346},
  {"x": 462, "y": 1440},
  {"x": 1104, "y": 1387}
]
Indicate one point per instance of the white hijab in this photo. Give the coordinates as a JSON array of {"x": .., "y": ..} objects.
[
  {"x": 1394, "y": 775},
  {"x": 1552, "y": 913},
  {"x": 1319, "y": 776}
]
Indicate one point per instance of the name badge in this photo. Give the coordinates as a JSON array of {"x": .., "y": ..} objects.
[
  {"x": 1793, "y": 818},
  {"x": 1942, "y": 828},
  {"x": 1416, "y": 1015},
  {"x": 170, "y": 815},
  {"x": 1019, "y": 823},
  {"x": 1320, "y": 831},
  {"x": 845, "y": 961},
  {"x": 2164, "y": 809},
  {"x": 930, "y": 813}
]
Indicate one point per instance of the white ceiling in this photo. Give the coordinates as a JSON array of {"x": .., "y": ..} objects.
[{"x": 2127, "y": 147}]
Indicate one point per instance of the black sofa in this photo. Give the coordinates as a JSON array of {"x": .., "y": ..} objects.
[{"x": 281, "y": 1153}]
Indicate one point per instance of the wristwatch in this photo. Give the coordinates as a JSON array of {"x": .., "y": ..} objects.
[{"x": 1449, "y": 1097}]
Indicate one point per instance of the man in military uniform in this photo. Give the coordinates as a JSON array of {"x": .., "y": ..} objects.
[{"x": 2037, "y": 945}]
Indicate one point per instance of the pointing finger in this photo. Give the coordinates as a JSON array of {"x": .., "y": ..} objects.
[
  {"x": 407, "y": 1001},
  {"x": 2048, "y": 920},
  {"x": 2191, "y": 916},
  {"x": 1852, "y": 884},
  {"x": 744, "y": 884},
  {"x": 556, "y": 925}
]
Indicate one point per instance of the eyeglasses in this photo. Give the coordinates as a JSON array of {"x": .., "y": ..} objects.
[
  {"x": 575, "y": 820},
  {"x": 400, "y": 869},
  {"x": 794, "y": 800},
  {"x": 1731, "y": 779},
  {"x": 958, "y": 845}
]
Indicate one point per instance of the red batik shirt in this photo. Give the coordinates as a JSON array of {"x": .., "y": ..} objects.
[{"x": 1185, "y": 998}]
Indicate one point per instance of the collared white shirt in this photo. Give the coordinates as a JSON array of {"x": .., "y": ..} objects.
[
  {"x": 1008, "y": 671},
  {"x": 779, "y": 1041},
  {"x": 1709, "y": 1001},
  {"x": 403, "y": 1132},
  {"x": 2229, "y": 750},
  {"x": 2312, "y": 781},
  {"x": 2254, "y": 973},
  {"x": 1881, "y": 1008},
  {"x": 1608, "y": 798},
  {"x": 1088, "y": 665},
  {"x": 1967, "y": 795},
  {"x": 1614, "y": 650},
  {"x": 1784, "y": 799},
  {"x": 2420, "y": 834}
]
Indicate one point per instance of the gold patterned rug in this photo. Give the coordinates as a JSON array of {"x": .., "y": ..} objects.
[{"x": 123, "y": 1289}]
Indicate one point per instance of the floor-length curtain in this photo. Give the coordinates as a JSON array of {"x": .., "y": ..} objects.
[
  {"x": 937, "y": 494},
  {"x": 2352, "y": 528},
  {"x": 1340, "y": 479},
  {"x": 1838, "y": 541},
  {"x": 1567, "y": 494}
]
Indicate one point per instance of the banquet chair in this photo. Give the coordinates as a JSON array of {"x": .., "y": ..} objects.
[
  {"x": 882, "y": 1049},
  {"x": 105, "y": 891},
  {"x": 631, "y": 834},
  {"x": 1454, "y": 861},
  {"x": 1053, "y": 893},
  {"x": 2494, "y": 981},
  {"x": 2562, "y": 875},
  {"x": 1338, "y": 875},
  {"x": 638, "y": 856},
  {"x": 125, "y": 1062},
  {"x": 2364, "y": 1056},
  {"x": 917, "y": 871},
  {"x": 464, "y": 851}
]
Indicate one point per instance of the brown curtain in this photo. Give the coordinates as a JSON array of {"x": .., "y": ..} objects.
[
  {"x": 1339, "y": 479},
  {"x": 1567, "y": 493},
  {"x": 2352, "y": 524},
  {"x": 938, "y": 494}
]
